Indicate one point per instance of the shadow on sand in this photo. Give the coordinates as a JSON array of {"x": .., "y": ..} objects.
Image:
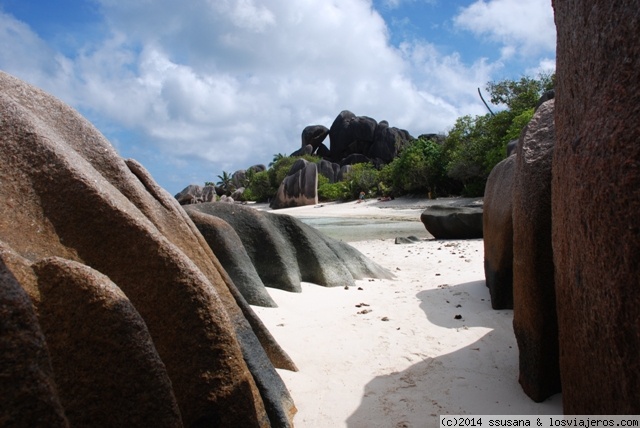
[{"x": 479, "y": 378}]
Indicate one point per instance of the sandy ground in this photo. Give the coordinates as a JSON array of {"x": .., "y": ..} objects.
[{"x": 399, "y": 353}]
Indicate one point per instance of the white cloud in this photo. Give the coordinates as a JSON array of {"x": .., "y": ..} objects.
[
  {"x": 394, "y": 4},
  {"x": 194, "y": 88},
  {"x": 523, "y": 27},
  {"x": 24, "y": 54}
]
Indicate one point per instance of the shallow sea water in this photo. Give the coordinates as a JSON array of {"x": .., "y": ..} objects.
[{"x": 354, "y": 229}]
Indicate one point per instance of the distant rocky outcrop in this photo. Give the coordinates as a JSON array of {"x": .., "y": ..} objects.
[
  {"x": 299, "y": 187},
  {"x": 194, "y": 194},
  {"x": 374, "y": 142},
  {"x": 454, "y": 221},
  {"x": 595, "y": 204},
  {"x": 354, "y": 139},
  {"x": 120, "y": 311},
  {"x": 534, "y": 315},
  {"x": 314, "y": 136},
  {"x": 284, "y": 250},
  {"x": 239, "y": 178},
  {"x": 497, "y": 230}
]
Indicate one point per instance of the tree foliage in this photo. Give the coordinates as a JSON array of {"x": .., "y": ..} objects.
[
  {"x": 476, "y": 144},
  {"x": 226, "y": 182},
  {"x": 259, "y": 189},
  {"x": 520, "y": 95},
  {"x": 420, "y": 168}
]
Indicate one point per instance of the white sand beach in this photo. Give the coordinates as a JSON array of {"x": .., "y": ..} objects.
[{"x": 401, "y": 352}]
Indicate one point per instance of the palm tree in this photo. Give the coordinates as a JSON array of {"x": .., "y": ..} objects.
[
  {"x": 276, "y": 158},
  {"x": 225, "y": 182}
]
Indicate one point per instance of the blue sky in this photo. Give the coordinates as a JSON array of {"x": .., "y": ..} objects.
[{"x": 193, "y": 88}]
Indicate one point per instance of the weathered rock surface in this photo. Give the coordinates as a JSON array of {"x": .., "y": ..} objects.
[
  {"x": 27, "y": 387},
  {"x": 66, "y": 193},
  {"x": 306, "y": 150},
  {"x": 453, "y": 221},
  {"x": 329, "y": 170},
  {"x": 299, "y": 187},
  {"x": 195, "y": 194},
  {"x": 352, "y": 135},
  {"x": 234, "y": 258},
  {"x": 534, "y": 311},
  {"x": 387, "y": 142},
  {"x": 192, "y": 194},
  {"x": 497, "y": 230},
  {"x": 314, "y": 135},
  {"x": 94, "y": 361},
  {"x": 595, "y": 205},
  {"x": 286, "y": 251}
]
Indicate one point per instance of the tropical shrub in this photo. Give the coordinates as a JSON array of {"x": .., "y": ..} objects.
[
  {"x": 259, "y": 188},
  {"x": 363, "y": 177},
  {"x": 419, "y": 169},
  {"x": 331, "y": 191}
]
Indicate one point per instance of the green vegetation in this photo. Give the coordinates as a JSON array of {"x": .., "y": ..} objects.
[
  {"x": 225, "y": 183},
  {"x": 475, "y": 145},
  {"x": 420, "y": 168},
  {"x": 457, "y": 163},
  {"x": 331, "y": 191}
]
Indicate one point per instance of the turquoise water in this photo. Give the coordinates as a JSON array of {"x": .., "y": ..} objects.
[{"x": 354, "y": 229}]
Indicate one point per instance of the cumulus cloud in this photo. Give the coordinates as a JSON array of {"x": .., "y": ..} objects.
[
  {"x": 394, "y": 4},
  {"x": 195, "y": 88},
  {"x": 522, "y": 27},
  {"x": 24, "y": 54}
]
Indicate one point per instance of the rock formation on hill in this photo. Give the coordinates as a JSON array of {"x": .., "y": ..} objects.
[
  {"x": 114, "y": 307},
  {"x": 361, "y": 135},
  {"x": 595, "y": 205}
]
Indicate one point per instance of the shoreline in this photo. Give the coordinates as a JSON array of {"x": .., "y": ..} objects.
[{"x": 411, "y": 358}]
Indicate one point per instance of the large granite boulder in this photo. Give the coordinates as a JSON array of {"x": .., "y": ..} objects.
[
  {"x": 534, "y": 301},
  {"x": 344, "y": 172},
  {"x": 497, "y": 230},
  {"x": 306, "y": 150},
  {"x": 595, "y": 205},
  {"x": 314, "y": 135},
  {"x": 95, "y": 386},
  {"x": 329, "y": 170},
  {"x": 209, "y": 194},
  {"x": 233, "y": 256},
  {"x": 67, "y": 194},
  {"x": 286, "y": 251},
  {"x": 299, "y": 187},
  {"x": 341, "y": 135},
  {"x": 387, "y": 143},
  {"x": 27, "y": 385},
  {"x": 192, "y": 194},
  {"x": 371, "y": 141},
  {"x": 454, "y": 221}
]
